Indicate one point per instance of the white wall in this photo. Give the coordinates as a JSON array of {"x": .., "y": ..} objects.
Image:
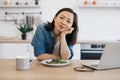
[
  {"x": 94, "y": 23},
  {"x": 50, "y": 7},
  {"x": 99, "y": 23}
]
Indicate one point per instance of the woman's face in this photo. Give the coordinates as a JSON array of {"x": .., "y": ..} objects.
[{"x": 63, "y": 21}]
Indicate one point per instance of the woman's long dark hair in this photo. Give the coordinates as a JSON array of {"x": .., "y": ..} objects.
[{"x": 70, "y": 38}]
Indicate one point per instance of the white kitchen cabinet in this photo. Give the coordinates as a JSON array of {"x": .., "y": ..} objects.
[
  {"x": 11, "y": 50},
  {"x": 76, "y": 50}
]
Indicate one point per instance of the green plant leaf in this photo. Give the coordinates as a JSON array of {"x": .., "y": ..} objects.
[{"x": 24, "y": 29}]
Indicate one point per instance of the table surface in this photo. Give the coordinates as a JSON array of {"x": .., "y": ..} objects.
[{"x": 39, "y": 71}]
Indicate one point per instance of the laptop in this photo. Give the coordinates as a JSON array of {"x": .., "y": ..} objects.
[{"x": 110, "y": 57}]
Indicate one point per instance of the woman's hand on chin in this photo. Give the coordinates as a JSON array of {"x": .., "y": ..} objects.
[{"x": 69, "y": 31}]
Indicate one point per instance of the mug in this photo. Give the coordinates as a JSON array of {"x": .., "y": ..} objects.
[{"x": 23, "y": 63}]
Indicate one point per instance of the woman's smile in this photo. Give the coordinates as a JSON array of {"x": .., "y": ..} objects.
[{"x": 61, "y": 27}]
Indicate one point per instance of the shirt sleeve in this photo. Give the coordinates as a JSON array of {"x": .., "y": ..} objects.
[
  {"x": 71, "y": 51},
  {"x": 38, "y": 41}
]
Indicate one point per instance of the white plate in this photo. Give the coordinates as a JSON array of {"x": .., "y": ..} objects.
[{"x": 55, "y": 65}]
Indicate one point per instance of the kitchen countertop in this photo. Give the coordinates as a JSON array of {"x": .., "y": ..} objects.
[
  {"x": 94, "y": 41},
  {"x": 78, "y": 42},
  {"x": 15, "y": 41}
]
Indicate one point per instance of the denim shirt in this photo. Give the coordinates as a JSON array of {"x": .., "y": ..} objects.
[{"x": 44, "y": 41}]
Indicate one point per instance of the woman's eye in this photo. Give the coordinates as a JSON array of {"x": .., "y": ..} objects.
[
  {"x": 61, "y": 17},
  {"x": 69, "y": 21}
]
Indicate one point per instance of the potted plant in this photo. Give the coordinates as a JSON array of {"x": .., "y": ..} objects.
[{"x": 24, "y": 29}]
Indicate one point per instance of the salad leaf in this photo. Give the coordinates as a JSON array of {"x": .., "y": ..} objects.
[{"x": 58, "y": 61}]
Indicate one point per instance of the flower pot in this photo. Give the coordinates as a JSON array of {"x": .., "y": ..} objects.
[
  {"x": 23, "y": 36},
  {"x": 36, "y": 2}
]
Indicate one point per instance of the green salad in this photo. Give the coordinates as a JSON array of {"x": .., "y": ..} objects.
[{"x": 58, "y": 61}]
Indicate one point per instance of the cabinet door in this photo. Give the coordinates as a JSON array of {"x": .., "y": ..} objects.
[
  {"x": 11, "y": 50},
  {"x": 76, "y": 50}
]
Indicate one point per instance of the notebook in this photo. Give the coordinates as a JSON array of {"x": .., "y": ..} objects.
[{"x": 109, "y": 59}]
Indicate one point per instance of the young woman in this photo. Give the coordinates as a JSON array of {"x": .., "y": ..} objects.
[{"x": 55, "y": 40}]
